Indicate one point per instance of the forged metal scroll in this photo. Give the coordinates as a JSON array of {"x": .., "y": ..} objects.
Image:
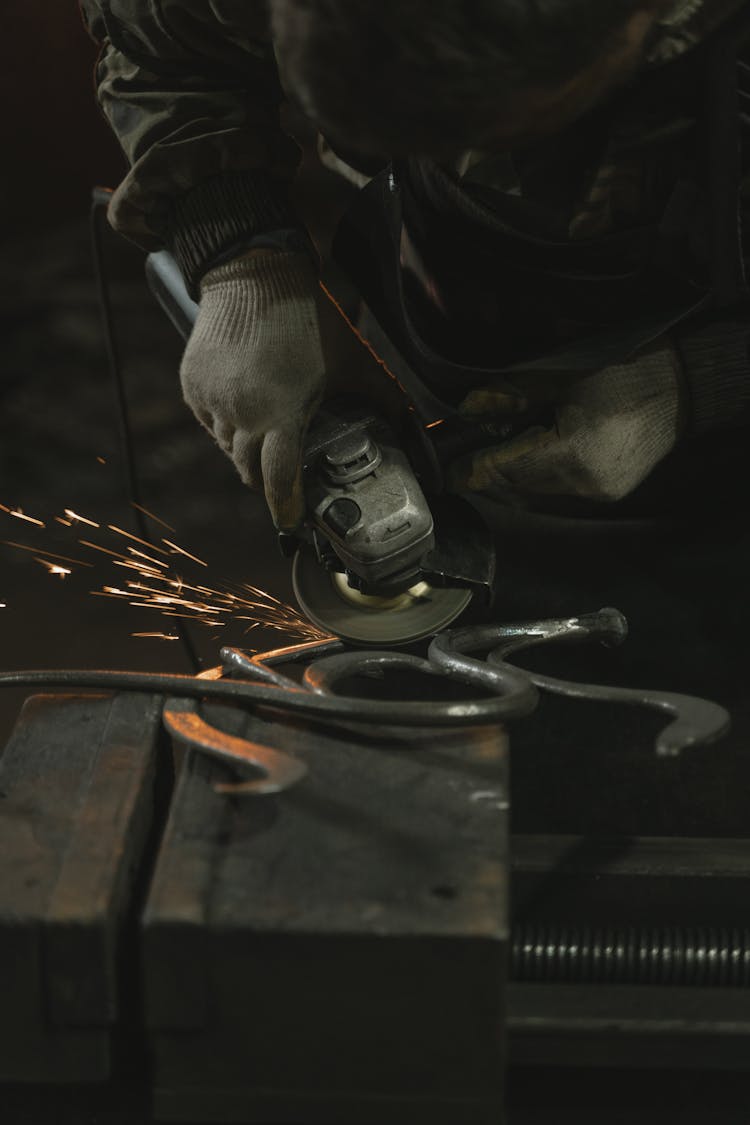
[{"x": 476, "y": 656}]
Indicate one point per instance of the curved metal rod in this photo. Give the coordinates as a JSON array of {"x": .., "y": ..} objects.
[
  {"x": 696, "y": 721},
  {"x": 512, "y": 692},
  {"x": 260, "y": 666},
  {"x": 449, "y": 651},
  {"x": 324, "y": 708},
  {"x": 514, "y": 689},
  {"x": 278, "y": 771},
  {"x": 606, "y": 625},
  {"x": 235, "y": 660}
]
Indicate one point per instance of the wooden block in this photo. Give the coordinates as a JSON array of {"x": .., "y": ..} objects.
[
  {"x": 335, "y": 953},
  {"x": 76, "y": 805}
]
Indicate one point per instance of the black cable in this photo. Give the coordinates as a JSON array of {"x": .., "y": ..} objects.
[{"x": 99, "y": 202}]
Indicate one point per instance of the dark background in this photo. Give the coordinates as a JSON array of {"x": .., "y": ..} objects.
[
  {"x": 58, "y": 423},
  {"x": 58, "y": 411}
]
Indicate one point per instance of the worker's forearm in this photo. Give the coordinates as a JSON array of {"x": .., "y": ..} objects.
[{"x": 193, "y": 98}]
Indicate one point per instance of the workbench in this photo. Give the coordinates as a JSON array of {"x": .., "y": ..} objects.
[
  {"x": 334, "y": 953},
  {"x": 341, "y": 952}
]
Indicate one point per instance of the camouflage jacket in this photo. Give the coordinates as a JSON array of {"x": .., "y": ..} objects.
[{"x": 192, "y": 91}]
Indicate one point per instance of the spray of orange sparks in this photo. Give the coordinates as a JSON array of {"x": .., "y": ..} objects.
[{"x": 151, "y": 581}]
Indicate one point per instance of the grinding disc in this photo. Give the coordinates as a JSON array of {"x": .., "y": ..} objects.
[{"x": 328, "y": 600}]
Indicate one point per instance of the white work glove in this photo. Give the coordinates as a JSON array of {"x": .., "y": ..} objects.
[
  {"x": 267, "y": 344},
  {"x": 253, "y": 371},
  {"x": 611, "y": 429}
]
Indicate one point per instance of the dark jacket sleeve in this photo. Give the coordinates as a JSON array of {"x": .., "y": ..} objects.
[
  {"x": 191, "y": 89},
  {"x": 716, "y": 365}
]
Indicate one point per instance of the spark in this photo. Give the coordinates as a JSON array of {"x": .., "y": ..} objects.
[
  {"x": 153, "y": 584},
  {"x": 79, "y": 519},
  {"x": 161, "y": 596},
  {"x": 159, "y": 636},
  {"x": 153, "y": 562},
  {"x": 43, "y": 551},
  {"x": 19, "y": 514},
  {"x": 135, "y": 538},
  {"x": 171, "y": 613},
  {"x": 140, "y": 568},
  {"x": 54, "y": 568},
  {"x": 180, "y": 551},
  {"x": 151, "y": 516},
  {"x": 432, "y": 425},
  {"x": 102, "y": 460},
  {"x": 366, "y": 343},
  {"x": 261, "y": 593},
  {"x": 104, "y": 550},
  {"x": 159, "y": 599}
]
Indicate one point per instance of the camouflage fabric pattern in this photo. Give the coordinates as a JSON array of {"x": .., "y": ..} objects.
[{"x": 191, "y": 90}]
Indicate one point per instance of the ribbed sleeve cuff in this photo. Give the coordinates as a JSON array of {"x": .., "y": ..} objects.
[
  {"x": 225, "y": 215},
  {"x": 716, "y": 364}
]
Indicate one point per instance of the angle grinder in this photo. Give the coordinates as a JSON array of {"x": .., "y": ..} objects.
[{"x": 375, "y": 563}]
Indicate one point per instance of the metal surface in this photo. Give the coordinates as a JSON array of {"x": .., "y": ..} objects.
[{"x": 278, "y": 771}]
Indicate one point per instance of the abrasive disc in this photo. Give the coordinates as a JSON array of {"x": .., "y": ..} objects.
[{"x": 328, "y": 600}]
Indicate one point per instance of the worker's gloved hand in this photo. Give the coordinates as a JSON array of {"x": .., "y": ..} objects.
[
  {"x": 253, "y": 371},
  {"x": 610, "y": 429},
  {"x": 267, "y": 345}
]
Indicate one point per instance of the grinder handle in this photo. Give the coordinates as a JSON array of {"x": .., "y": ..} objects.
[{"x": 167, "y": 284}]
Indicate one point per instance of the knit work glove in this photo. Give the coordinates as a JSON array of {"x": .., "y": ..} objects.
[
  {"x": 611, "y": 428},
  {"x": 253, "y": 371}
]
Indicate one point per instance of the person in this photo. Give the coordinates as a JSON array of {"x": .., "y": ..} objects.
[{"x": 549, "y": 228}]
